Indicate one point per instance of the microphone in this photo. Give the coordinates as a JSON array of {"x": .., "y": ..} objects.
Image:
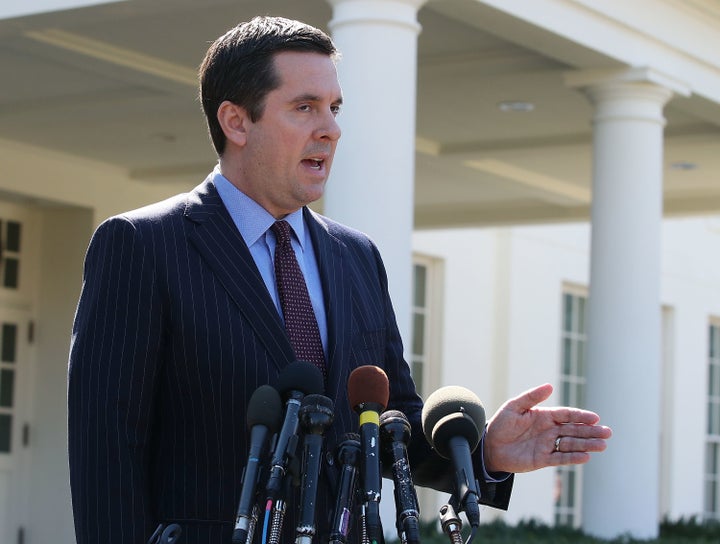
[
  {"x": 368, "y": 392},
  {"x": 347, "y": 455},
  {"x": 296, "y": 380},
  {"x": 452, "y": 419},
  {"x": 264, "y": 412},
  {"x": 316, "y": 415},
  {"x": 394, "y": 437}
]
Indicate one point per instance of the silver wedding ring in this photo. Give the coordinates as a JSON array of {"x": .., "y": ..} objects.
[{"x": 557, "y": 443}]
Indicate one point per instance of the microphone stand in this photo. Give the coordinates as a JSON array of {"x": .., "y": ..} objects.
[
  {"x": 364, "y": 538},
  {"x": 279, "y": 508},
  {"x": 451, "y": 524}
]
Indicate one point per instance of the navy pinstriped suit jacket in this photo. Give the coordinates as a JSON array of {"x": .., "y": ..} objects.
[{"x": 174, "y": 331}]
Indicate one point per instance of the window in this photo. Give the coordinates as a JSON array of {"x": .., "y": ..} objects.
[
  {"x": 572, "y": 392},
  {"x": 712, "y": 448},
  {"x": 8, "y": 358},
  {"x": 10, "y": 255},
  {"x": 418, "y": 359},
  {"x": 425, "y": 345}
]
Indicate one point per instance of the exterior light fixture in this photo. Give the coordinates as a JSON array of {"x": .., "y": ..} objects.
[{"x": 516, "y": 106}]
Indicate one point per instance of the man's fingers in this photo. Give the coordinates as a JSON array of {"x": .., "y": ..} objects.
[
  {"x": 571, "y": 458},
  {"x": 571, "y": 444},
  {"x": 530, "y": 398},
  {"x": 566, "y": 415}
]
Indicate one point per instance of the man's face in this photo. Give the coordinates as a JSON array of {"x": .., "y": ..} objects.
[{"x": 289, "y": 150}]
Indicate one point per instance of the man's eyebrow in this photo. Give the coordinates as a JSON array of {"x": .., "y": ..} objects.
[{"x": 307, "y": 97}]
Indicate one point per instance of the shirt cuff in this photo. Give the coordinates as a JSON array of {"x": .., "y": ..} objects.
[{"x": 490, "y": 477}]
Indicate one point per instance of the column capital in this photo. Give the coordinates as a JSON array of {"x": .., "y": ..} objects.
[
  {"x": 396, "y": 12},
  {"x": 639, "y": 92},
  {"x": 584, "y": 79}
]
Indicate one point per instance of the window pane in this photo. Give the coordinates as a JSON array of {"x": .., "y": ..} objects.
[
  {"x": 11, "y": 272},
  {"x": 568, "y": 313},
  {"x": 566, "y": 393},
  {"x": 581, "y": 358},
  {"x": 418, "y": 334},
  {"x": 711, "y": 459},
  {"x": 9, "y": 341},
  {"x": 420, "y": 285},
  {"x": 712, "y": 379},
  {"x": 13, "y": 236},
  {"x": 710, "y": 497},
  {"x": 417, "y": 374},
  {"x": 571, "y": 486},
  {"x": 711, "y": 418},
  {"x": 581, "y": 314},
  {"x": 5, "y": 432},
  {"x": 580, "y": 400},
  {"x": 567, "y": 357},
  {"x": 7, "y": 386}
]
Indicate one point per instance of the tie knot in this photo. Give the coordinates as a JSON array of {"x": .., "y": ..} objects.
[{"x": 282, "y": 231}]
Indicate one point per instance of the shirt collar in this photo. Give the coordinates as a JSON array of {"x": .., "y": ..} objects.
[{"x": 251, "y": 219}]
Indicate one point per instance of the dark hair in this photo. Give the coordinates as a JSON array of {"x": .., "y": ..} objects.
[{"x": 239, "y": 66}]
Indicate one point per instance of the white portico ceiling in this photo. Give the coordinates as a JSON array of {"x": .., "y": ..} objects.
[{"x": 116, "y": 83}]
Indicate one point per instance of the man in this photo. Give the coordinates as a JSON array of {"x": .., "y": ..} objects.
[{"x": 180, "y": 319}]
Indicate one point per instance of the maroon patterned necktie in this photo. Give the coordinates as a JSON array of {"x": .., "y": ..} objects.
[{"x": 300, "y": 322}]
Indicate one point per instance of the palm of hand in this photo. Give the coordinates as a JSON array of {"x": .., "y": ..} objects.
[{"x": 521, "y": 436}]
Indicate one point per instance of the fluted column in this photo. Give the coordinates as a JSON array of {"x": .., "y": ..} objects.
[
  {"x": 372, "y": 181},
  {"x": 620, "y": 486}
]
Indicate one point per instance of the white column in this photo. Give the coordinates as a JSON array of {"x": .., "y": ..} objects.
[
  {"x": 620, "y": 486},
  {"x": 372, "y": 180}
]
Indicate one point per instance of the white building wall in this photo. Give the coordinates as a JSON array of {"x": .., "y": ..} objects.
[
  {"x": 691, "y": 285},
  {"x": 504, "y": 316}
]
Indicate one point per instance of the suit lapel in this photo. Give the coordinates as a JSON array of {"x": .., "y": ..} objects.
[
  {"x": 330, "y": 253},
  {"x": 218, "y": 241}
]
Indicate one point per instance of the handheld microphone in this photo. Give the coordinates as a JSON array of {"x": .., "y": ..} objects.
[
  {"x": 347, "y": 455},
  {"x": 316, "y": 415},
  {"x": 394, "y": 437},
  {"x": 368, "y": 392},
  {"x": 452, "y": 419},
  {"x": 296, "y": 380},
  {"x": 264, "y": 412}
]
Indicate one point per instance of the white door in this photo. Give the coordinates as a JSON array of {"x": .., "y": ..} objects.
[
  {"x": 16, "y": 278},
  {"x": 14, "y": 427}
]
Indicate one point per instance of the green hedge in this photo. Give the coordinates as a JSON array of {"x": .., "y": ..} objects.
[{"x": 535, "y": 532}]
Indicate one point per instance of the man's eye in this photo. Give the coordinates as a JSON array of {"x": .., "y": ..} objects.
[
  {"x": 335, "y": 110},
  {"x": 304, "y": 107}
]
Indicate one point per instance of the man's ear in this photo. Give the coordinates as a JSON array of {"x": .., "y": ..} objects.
[{"x": 234, "y": 122}]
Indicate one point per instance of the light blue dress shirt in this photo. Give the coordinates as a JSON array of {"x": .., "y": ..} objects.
[{"x": 254, "y": 222}]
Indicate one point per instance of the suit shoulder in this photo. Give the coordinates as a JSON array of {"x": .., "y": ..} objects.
[
  {"x": 348, "y": 235},
  {"x": 158, "y": 211}
]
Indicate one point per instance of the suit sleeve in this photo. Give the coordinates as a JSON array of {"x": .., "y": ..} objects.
[
  {"x": 428, "y": 468},
  {"x": 113, "y": 365}
]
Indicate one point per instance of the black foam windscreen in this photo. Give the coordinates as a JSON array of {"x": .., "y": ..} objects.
[
  {"x": 452, "y": 411},
  {"x": 265, "y": 408},
  {"x": 320, "y": 401},
  {"x": 392, "y": 415},
  {"x": 301, "y": 376}
]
